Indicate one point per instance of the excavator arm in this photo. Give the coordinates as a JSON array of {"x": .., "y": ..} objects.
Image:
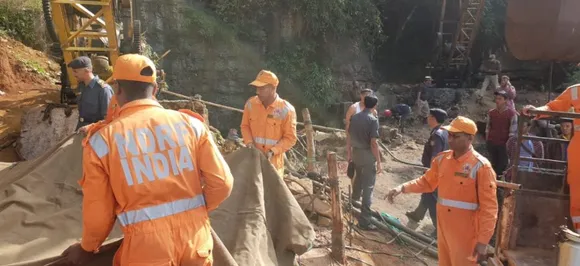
[{"x": 91, "y": 28}]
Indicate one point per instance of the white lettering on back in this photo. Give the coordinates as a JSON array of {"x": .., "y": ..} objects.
[
  {"x": 149, "y": 155},
  {"x": 163, "y": 133}
]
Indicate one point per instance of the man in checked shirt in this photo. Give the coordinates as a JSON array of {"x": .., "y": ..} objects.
[{"x": 529, "y": 149}]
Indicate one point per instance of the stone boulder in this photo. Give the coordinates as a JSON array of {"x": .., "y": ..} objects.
[{"x": 43, "y": 127}]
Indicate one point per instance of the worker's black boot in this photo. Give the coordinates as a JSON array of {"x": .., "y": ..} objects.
[{"x": 413, "y": 216}]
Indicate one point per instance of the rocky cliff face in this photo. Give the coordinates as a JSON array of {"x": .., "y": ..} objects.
[{"x": 208, "y": 58}]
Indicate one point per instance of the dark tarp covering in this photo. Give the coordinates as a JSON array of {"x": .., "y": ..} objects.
[{"x": 260, "y": 223}]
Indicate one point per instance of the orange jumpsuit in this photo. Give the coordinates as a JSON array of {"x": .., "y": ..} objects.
[
  {"x": 158, "y": 172},
  {"x": 570, "y": 99},
  {"x": 271, "y": 128},
  {"x": 466, "y": 207},
  {"x": 112, "y": 113}
]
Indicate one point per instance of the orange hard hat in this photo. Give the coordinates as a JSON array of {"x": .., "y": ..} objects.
[{"x": 388, "y": 113}]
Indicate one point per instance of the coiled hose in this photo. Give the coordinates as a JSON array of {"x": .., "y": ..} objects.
[{"x": 47, "y": 10}]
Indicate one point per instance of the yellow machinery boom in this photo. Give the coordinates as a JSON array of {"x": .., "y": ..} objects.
[{"x": 100, "y": 29}]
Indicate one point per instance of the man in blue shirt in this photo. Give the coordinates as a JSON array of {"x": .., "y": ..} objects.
[
  {"x": 436, "y": 143},
  {"x": 95, "y": 94},
  {"x": 401, "y": 112}
]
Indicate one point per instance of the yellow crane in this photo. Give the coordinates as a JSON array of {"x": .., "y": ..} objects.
[{"x": 100, "y": 29}]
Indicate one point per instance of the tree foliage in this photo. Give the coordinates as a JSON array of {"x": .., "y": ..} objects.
[{"x": 22, "y": 20}]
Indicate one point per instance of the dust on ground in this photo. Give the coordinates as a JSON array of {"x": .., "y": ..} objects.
[
  {"x": 27, "y": 79},
  {"x": 409, "y": 149}
]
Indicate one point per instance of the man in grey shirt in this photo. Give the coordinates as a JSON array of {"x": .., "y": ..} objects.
[
  {"x": 362, "y": 144},
  {"x": 95, "y": 94}
]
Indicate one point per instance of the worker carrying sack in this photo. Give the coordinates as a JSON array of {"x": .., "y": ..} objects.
[{"x": 350, "y": 170}]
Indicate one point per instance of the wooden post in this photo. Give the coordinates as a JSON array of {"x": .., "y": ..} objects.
[
  {"x": 336, "y": 205},
  {"x": 505, "y": 235},
  {"x": 311, "y": 153}
]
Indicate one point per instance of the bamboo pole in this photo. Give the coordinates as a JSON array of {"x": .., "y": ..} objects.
[
  {"x": 335, "y": 198},
  {"x": 310, "y": 156}
]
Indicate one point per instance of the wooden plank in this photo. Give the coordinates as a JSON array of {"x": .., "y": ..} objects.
[
  {"x": 506, "y": 221},
  {"x": 555, "y": 114},
  {"x": 311, "y": 152},
  {"x": 509, "y": 185},
  {"x": 337, "y": 226}
]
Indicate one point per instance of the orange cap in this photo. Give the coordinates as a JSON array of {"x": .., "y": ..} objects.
[
  {"x": 265, "y": 77},
  {"x": 462, "y": 124},
  {"x": 133, "y": 67}
]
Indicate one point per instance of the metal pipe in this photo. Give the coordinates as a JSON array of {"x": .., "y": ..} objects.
[
  {"x": 558, "y": 114},
  {"x": 540, "y": 160},
  {"x": 529, "y": 137},
  {"x": 399, "y": 226},
  {"x": 427, "y": 240},
  {"x": 422, "y": 246}
]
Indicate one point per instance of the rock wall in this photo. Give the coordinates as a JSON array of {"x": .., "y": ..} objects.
[{"x": 209, "y": 59}]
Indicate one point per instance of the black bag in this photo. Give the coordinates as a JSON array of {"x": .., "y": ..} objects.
[{"x": 350, "y": 170}]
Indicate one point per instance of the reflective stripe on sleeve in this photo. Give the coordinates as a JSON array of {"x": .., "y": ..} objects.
[{"x": 99, "y": 145}]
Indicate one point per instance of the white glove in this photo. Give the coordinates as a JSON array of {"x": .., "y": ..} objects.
[{"x": 270, "y": 154}]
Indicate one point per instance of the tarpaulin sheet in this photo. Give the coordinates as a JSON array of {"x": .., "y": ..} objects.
[
  {"x": 544, "y": 30},
  {"x": 40, "y": 211}
]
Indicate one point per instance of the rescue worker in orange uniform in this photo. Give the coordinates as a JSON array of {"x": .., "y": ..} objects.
[
  {"x": 157, "y": 171},
  {"x": 563, "y": 103},
  {"x": 467, "y": 203},
  {"x": 269, "y": 122}
]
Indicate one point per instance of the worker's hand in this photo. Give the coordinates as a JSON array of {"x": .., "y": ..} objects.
[
  {"x": 527, "y": 108},
  {"x": 76, "y": 255},
  {"x": 480, "y": 252},
  {"x": 250, "y": 145},
  {"x": 379, "y": 168},
  {"x": 394, "y": 193},
  {"x": 84, "y": 129},
  {"x": 348, "y": 155}
]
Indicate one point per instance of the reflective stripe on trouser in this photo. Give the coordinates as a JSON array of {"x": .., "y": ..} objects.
[
  {"x": 575, "y": 203},
  {"x": 458, "y": 204},
  {"x": 161, "y": 210}
]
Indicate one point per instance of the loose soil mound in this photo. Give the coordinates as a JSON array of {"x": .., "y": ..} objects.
[{"x": 27, "y": 79}]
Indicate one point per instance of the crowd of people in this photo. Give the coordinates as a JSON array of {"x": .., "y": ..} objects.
[
  {"x": 460, "y": 186},
  {"x": 129, "y": 136}
]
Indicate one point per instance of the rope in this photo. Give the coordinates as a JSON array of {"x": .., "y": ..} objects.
[
  {"x": 242, "y": 111},
  {"x": 323, "y": 128}
]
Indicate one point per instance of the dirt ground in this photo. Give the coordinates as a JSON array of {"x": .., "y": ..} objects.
[
  {"x": 374, "y": 244},
  {"x": 395, "y": 173},
  {"x": 27, "y": 79}
]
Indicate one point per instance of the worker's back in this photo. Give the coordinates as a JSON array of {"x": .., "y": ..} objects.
[{"x": 153, "y": 158}]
